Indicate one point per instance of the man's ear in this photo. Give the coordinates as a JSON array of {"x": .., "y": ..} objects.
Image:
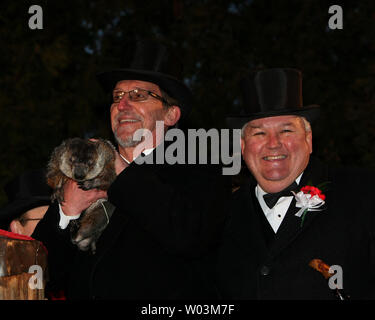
[
  {"x": 16, "y": 226},
  {"x": 309, "y": 141},
  {"x": 172, "y": 116},
  {"x": 242, "y": 146}
]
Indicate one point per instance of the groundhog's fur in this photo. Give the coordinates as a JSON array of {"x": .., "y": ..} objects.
[
  {"x": 91, "y": 164},
  {"x": 87, "y": 230}
]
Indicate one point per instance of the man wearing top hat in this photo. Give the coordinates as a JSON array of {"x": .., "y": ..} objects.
[
  {"x": 298, "y": 229},
  {"x": 167, "y": 217}
]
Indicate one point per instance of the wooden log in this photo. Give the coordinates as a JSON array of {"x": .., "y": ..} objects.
[
  {"x": 16, "y": 258},
  {"x": 17, "y": 288}
]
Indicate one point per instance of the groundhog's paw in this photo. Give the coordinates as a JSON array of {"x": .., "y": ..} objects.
[{"x": 84, "y": 244}]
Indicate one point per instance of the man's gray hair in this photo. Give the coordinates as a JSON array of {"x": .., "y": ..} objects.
[{"x": 306, "y": 123}]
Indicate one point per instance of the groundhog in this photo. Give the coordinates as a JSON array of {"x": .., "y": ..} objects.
[
  {"x": 87, "y": 229},
  {"x": 92, "y": 165}
]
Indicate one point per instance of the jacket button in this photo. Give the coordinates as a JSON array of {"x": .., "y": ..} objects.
[{"x": 265, "y": 271}]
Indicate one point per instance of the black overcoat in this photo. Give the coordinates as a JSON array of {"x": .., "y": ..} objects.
[
  {"x": 255, "y": 263},
  {"x": 168, "y": 219}
]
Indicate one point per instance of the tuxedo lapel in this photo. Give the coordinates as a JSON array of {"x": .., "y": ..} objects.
[
  {"x": 292, "y": 226},
  {"x": 248, "y": 227},
  {"x": 262, "y": 224}
]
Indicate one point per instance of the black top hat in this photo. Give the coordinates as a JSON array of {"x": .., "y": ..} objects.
[
  {"x": 25, "y": 192},
  {"x": 270, "y": 93},
  {"x": 152, "y": 62}
]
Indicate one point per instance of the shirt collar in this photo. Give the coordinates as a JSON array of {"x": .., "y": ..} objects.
[{"x": 146, "y": 152}]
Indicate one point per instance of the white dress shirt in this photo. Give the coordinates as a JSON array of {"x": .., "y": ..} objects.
[
  {"x": 275, "y": 215},
  {"x": 64, "y": 219}
]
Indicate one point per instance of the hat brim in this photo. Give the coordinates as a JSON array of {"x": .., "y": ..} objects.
[
  {"x": 311, "y": 113},
  {"x": 172, "y": 86},
  {"x": 14, "y": 209}
]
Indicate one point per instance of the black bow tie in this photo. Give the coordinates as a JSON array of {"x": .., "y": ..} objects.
[{"x": 272, "y": 198}]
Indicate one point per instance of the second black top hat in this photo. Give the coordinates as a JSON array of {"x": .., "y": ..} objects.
[{"x": 270, "y": 93}]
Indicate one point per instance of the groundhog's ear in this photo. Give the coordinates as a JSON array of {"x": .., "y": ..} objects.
[
  {"x": 51, "y": 183},
  {"x": 58, "y": 183},
  {"x": 55, "y": 182},
  {"x": 172, "y": 116}
]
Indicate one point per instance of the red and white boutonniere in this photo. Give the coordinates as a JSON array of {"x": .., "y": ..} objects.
[{"x": 309, "y": 198}]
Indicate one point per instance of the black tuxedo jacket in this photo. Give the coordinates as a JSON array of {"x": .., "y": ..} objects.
[
  {"x": 168, "y": 219},
  {"x": 255, "y": 263}
]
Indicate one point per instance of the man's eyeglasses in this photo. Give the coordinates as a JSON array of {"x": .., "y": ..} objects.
[{"x": 136, "y": 95}]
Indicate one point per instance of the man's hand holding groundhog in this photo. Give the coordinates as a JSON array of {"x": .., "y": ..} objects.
[{"x": 77, "y": 200}]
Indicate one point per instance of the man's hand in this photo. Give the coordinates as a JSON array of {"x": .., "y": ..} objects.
[{"x": 77, "y": 200}]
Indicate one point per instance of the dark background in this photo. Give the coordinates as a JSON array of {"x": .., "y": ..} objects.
[{"x": 48, "y": 90}]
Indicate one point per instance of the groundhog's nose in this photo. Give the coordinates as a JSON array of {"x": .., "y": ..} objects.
[{"x": 79, "y": 173}]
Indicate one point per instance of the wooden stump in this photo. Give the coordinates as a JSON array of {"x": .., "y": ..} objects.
[{"x": 18, "y": 257}]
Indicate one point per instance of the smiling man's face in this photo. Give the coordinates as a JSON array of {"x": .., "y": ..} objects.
[
  {"x": 128, "y": 116},
  {"x": 276, "y": 150}
]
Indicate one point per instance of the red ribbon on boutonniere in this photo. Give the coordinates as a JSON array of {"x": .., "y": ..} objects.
[{"x": 309, "y": 198}]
